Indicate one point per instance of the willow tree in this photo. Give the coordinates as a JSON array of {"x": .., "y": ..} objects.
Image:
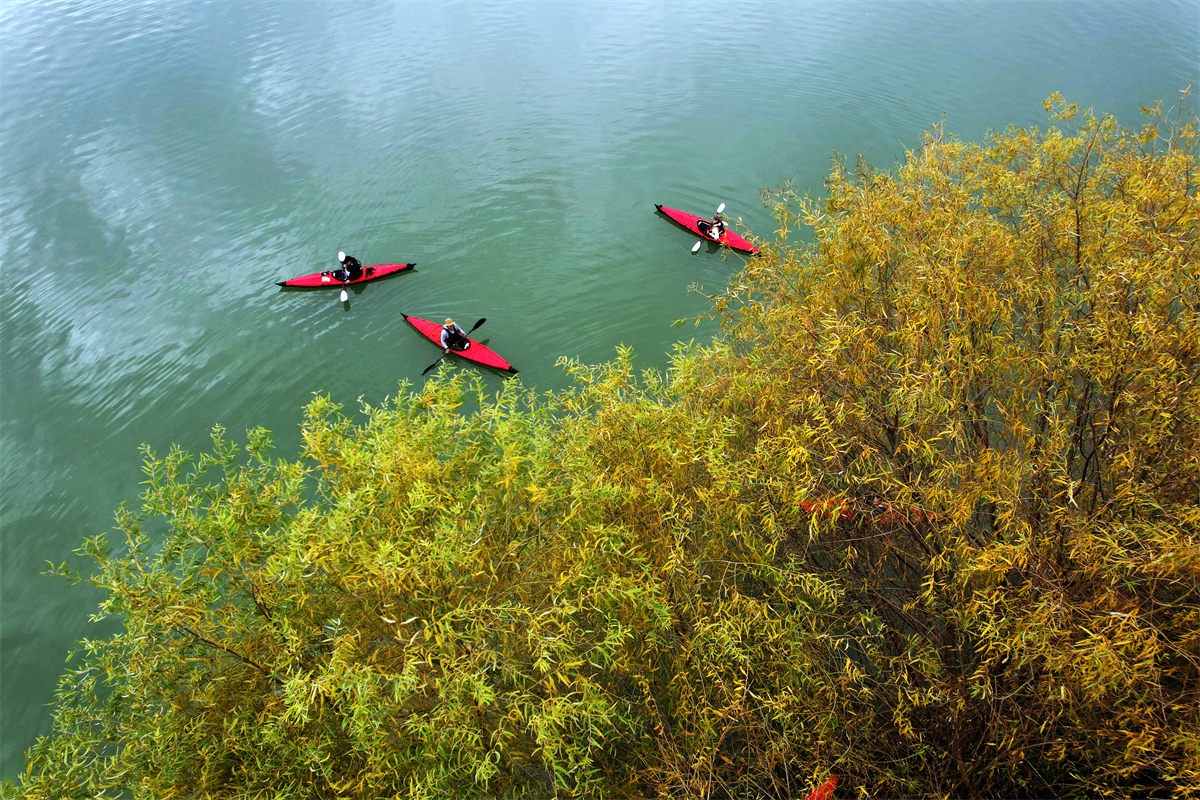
[
  {"x": 992, "y": 356},
  {"x": 924, "y": 516}
]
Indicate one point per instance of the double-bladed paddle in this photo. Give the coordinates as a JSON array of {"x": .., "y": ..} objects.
[
  {"x": 443, "y": 355},
  {"x": 696, "y": 246}
]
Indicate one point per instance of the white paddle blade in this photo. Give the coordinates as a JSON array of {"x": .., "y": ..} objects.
[
  {"x": 696, "y": 246},
  {"x": 344, "y": 296},
  {"x": 720, "y": 208}
]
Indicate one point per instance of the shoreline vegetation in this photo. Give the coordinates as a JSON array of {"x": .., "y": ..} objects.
[{"x": 923, "y": 516}]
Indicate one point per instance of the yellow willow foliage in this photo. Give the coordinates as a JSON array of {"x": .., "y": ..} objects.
[
  {"x": 924, "y": 516},
  {"x": 999, "y": 341}
]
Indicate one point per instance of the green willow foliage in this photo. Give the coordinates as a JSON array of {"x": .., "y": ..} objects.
[{"x": 924, "y": 516}]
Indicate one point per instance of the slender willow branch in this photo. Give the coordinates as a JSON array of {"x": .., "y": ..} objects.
[{"x": 218, "y": 646}]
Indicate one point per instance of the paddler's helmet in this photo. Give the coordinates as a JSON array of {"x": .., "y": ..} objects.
[{"x": 341, "y": 256}]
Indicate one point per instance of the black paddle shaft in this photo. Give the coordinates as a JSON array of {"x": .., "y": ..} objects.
[{"x": 443, "y": 355}]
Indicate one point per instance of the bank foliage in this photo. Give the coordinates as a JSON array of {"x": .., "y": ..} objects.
[{"x": 924, "y": 516}]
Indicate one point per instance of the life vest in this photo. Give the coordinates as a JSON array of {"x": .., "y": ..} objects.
[
  {"x": 710, "y": 230},
  {"x": 455, "y": 339}
]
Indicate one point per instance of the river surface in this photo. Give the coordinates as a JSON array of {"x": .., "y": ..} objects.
[{"x": 164, "y": 162}]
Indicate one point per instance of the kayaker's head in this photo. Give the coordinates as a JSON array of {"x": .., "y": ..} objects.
[
  {"x": 449, "y": 322},
  {"x": 341, "y": 256}
]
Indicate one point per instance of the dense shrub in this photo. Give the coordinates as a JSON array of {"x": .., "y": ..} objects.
[{"x": 923, "y": 516}]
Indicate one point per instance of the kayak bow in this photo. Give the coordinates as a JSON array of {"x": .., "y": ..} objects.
[
  {"x": 320, "y": 280},
  {"x": 692, "y": 223},
  {"x": 476, "y": 352}
]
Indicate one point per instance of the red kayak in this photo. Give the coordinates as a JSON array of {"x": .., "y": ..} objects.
[
  {"x": 322, "y": 279},
  {"x": 474, "y": 352},
  {"x": 699, "y": 226},
  {"x": 824, "y": 791}
]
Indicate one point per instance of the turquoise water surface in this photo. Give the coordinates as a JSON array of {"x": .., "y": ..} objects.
[{"x": 165, "y": 162}]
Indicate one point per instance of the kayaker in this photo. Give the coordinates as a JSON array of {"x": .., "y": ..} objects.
[
  {"x": 454, "y": 337},
  {"x": 351, "y": 269},
  {"x": 716, "y": 228}
]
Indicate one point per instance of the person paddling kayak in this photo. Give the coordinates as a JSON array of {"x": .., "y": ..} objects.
[
  {"x": 454, "y": 337},
  {"x": 715, "y": 230},
  {"x": 475, "y": 351},
  {"x": 712, "y": 229},
  {"x": 351, "y": 269}
]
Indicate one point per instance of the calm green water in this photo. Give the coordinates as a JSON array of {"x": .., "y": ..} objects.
[{"x": 164, "y": 162}]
